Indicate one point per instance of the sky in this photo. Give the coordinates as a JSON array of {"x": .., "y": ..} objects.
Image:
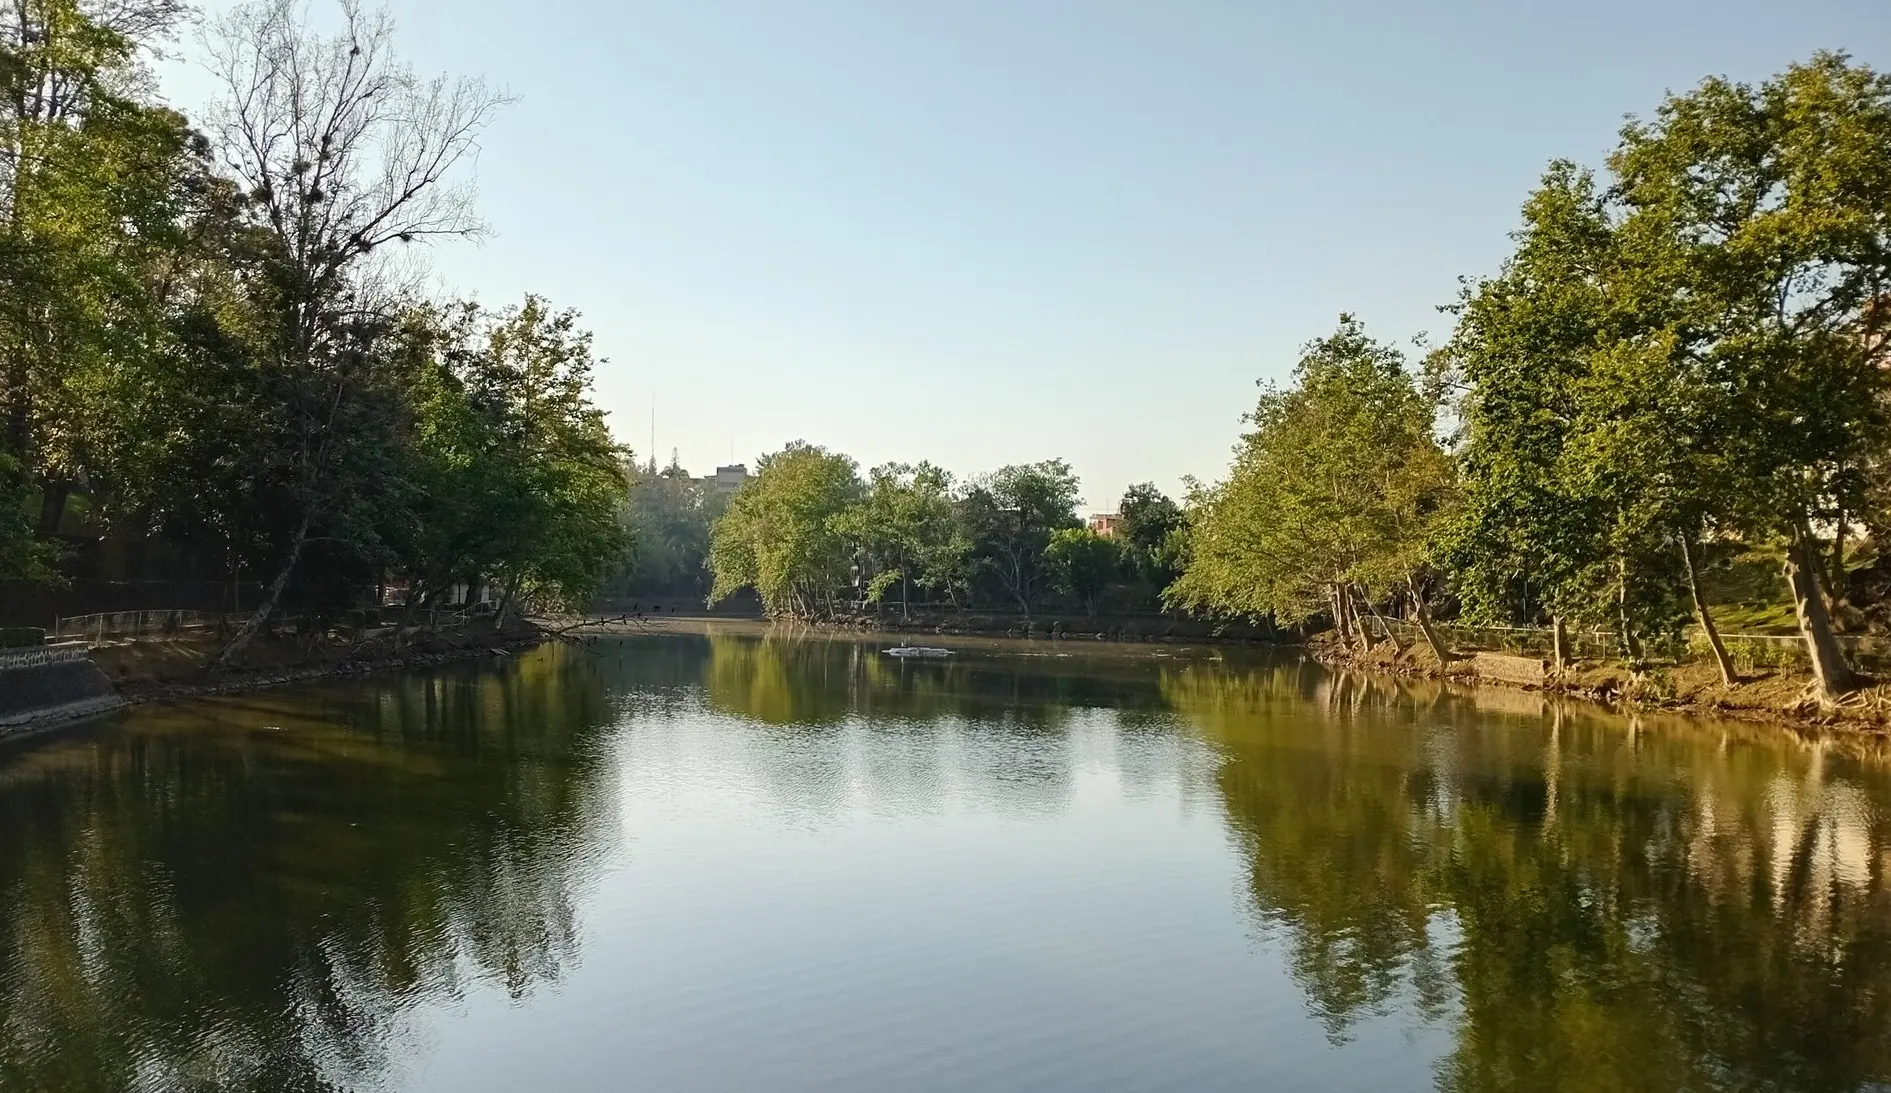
[{"x": 1000, "y": 231}]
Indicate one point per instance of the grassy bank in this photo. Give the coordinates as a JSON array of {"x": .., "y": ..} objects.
[{"x": 1782, "y": 694}]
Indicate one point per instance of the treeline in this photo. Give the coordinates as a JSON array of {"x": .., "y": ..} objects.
[
  {"x": 813, "y": 537},
  {"x": 1685, "y": 356},
  {"x": 212, "y": 333},
  {"x": 668, "y": 516}
]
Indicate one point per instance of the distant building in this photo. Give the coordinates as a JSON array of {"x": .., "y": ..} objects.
[
  {"x": 1106, "y": 524},
  {"x": 726, "y": 479}
]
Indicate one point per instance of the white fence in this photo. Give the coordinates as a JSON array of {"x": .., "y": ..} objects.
[
  {"x": 135, "y": 624},
  {"x": 139, "y": 623},
  {"x": 1753, "y": 649}
]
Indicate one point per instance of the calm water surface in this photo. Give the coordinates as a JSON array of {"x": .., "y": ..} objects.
[{"x": 729, "y": 862}]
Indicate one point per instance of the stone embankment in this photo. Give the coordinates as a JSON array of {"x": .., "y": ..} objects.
[{"x": 46, "y": 684}]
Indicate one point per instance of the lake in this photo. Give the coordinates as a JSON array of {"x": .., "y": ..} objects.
[{"x": 737, "y": 860}]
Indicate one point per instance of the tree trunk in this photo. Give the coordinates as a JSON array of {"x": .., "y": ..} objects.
[
  {"x": 1348, "y": 626},
  {"x": 1559, "y": 643},
  {"x": 1705, "y": 617},
  {"x": 52, "y": 505},
  {"x": 407, "y": 613},
  {"x": 505, "y": 604},
  {"x": 1830, "y": 670},
  {"x": 254, "y": 624},
  {"x": 1631, "y": 642},
  {"x": 1837, "y": 576},
  {"x": 1432, "y": 638}
]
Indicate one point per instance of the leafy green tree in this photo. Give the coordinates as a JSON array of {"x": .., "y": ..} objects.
[
  {"x": 1581, "y": 433},
  {"x": 520, "y": 481},
  {"x": 341, "y": 152},
  {"x": 1337, "y": 486},
  {"x": 91, "y": 185},
  {"x": 1082, "y": 564},
  {"x": 1755, "y": 217},
  {"x": 1010, "y": 515},
  {"x": 1153, "y": 529},
  {"x": 669, "y": 515},
  {"x": 539, "y": 368},
  {"x": 22, "y": 554},
  {"x": 1523, "y": 538},
  {"x": 200, "y": 335},
  {"x": 786, "y": 533},
  {"x": 1146, "y": 515},
  {"x": 1641, "y": 450},
  {"x": 906, "y": 525}
]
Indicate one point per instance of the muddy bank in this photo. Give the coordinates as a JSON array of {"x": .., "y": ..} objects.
[
  {"x": 1781, "y": 696},
  {"x": 172, "y": 668}
]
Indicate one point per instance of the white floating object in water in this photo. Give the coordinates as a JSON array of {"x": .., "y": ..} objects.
[{"x": 918, "y": 651}]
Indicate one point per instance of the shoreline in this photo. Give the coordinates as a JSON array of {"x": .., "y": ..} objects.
[
  {"x": 869, "y": 629},
  {"x": 135, "y": 684},
  {"x": 1777, "y": 697},
  {"x": 1128, "y": 629},
  {"x": 1771, "y": 697},
  {"x": 138, "y": 692}
]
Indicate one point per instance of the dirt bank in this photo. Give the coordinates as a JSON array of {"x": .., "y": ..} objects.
[
  {"x": 1781, "y": 696},
  {"x": 167, "y": 668}
]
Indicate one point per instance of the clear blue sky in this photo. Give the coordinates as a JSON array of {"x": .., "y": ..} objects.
[{"x": 995, "y": 231}]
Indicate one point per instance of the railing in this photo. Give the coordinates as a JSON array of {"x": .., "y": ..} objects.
[
  {"x": 136, "y": 624},
  {"x": 21, "y": 637},
  {"x": 120, "y": 624},
  {"x": 1747, "y": 650}
]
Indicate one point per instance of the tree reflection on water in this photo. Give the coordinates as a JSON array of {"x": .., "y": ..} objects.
[
  {"x": 250, "y": 893},
  {"x": 259, "y": 892},
  {"x": 1598, "y": 904}
]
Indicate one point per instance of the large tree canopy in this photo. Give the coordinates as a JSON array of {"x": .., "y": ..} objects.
[
  {"x": 1336, "y": 486},
  {"x": 202, "y": 340},
  {"x": 785, "y": 533}
]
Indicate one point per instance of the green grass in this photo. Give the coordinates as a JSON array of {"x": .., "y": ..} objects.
[{"x": 1756, "y": 618}]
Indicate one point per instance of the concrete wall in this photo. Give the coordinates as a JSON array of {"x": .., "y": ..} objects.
[{"x": 50, "y": 683}]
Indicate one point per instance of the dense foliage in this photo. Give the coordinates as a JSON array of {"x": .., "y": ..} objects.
[
  {"x": 209, "y": 333},
  {"x": 1688, "y": 353},
  {"x": 814, "y": 538},
  {"x": 1334, "y": 491},
  {"x": 210, "y": 338},
  {"x": 668, "y": 516}
]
